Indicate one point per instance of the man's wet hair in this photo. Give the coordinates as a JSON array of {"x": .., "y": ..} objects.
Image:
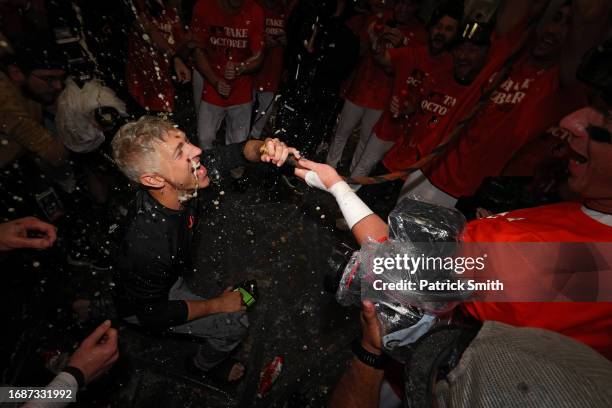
[
  {"x": 36, "y": 55},
  {"x": 134, "y": 145}
]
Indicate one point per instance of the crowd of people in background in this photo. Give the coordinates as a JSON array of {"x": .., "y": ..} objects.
[{"x": 476, "y": 110}]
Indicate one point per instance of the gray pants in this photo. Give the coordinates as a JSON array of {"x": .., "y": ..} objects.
[
  {"x": 375, "y": 149},
  {"x": 265, "y": 107},
  {"x": 237, "y": 121},
  {"x": 350, "y": 116},
  {"x": 198, "y": 86},
  {"x": 220, "y": 333}
]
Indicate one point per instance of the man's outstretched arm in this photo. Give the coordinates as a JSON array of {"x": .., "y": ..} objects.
[
  {"x": 363, "y": 222},
  {"x": 226, "y": 158}
]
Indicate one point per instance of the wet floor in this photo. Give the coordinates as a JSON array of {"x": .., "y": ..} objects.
[{"x": 256, "y": 228}]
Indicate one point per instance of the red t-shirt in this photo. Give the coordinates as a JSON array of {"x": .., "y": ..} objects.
[
  {"x": 424, "y": 130},
  {"x": 587, "y": 322},
  {"x": 371, "y": 87},
  {"x": 425, "y": 135},
  {"x": 228, "y": 36},
  {"x": 415, "y": 72},
  {"x": 269, "y": 75},
  {"x": 148, "y": 71},
  {"x": 521, "y": 108}
]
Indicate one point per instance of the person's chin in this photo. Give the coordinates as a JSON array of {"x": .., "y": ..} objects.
[
  {"x": 464, "y": 70},
  {"x": 461, "y": 76}
]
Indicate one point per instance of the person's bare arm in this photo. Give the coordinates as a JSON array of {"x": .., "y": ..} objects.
[
  {"x": 183, "y": 73},
  {"x": 381, "y": 57},
  {"x": 204, "y": 68},
  {"x": 511, "y": 13},
  {"x": 369, "y": 227},
  {"x": 250, "y": 65},
  {"x": 589, "y": 21},
  {"x": 227, "y": 302},
  {"x": 359, "y": 386},
  {"x": 232, "y": 70}
]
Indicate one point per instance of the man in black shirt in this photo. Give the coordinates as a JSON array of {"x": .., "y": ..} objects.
[{"x": 155, "y": 252}]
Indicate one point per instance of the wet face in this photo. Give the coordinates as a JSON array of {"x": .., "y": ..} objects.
[
  {"x": 468, "y": 60},
  {"x": 590, "y": 168},
  {"x": 442, "y": 34},
  {"x": 552, "y": 35},
  {"x": 177, "y": 159},
  {"x": 404, "y": 10},
  {"x": 44, "y": 85}
]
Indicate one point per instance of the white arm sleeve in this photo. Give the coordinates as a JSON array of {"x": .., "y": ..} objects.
[{"x": 353, "y": 209}]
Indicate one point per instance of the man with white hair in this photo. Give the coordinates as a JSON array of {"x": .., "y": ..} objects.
[{"x": 155, "y": 252}]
